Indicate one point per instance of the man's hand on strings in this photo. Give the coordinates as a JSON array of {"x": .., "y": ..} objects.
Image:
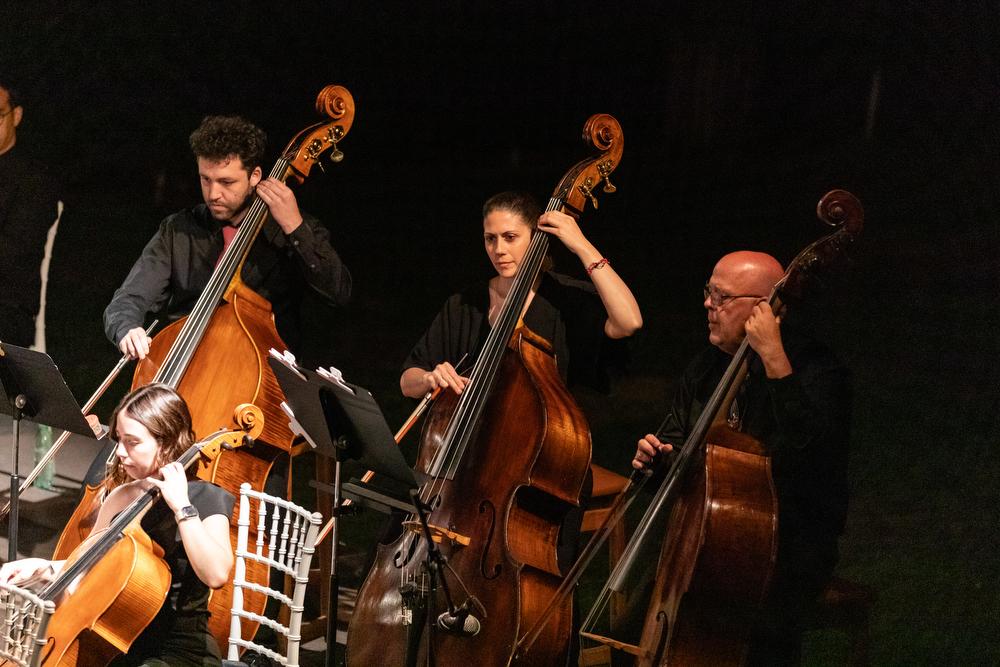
[
  {"x": 135, "y": 343},
  {"x": 281, "y": 203},
  {"x": 647, "y": 451}
]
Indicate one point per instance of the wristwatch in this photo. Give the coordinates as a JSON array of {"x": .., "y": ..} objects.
[{"x": 185, "y": 513}]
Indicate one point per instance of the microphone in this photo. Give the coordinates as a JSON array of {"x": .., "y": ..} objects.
[{"x": 461, "y": 623}]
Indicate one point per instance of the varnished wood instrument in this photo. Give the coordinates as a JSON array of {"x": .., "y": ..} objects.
[
  {"x": 217, "y": 355},
  {"x": 718, "y": 555},
  {"x": 114, "y": 583},
  {"x": 506, "y": 460}
]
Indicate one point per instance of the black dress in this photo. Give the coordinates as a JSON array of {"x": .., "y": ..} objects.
[
  {"x": 566, "y": 312},
  {"x": 179, "y": 635}
]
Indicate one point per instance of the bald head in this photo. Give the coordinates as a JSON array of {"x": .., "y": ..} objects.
[
  {"x": 739, "y": 281},
  {"x": 753, "y": 272}
]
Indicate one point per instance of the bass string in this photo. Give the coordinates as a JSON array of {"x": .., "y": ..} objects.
[
  {"x": 470, "y": 406},
  {"x": 473, "y": 400},
  {"x": 177, "y": 359}
]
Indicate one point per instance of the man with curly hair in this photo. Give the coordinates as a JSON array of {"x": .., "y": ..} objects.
[{"x": 292, "y": 250}]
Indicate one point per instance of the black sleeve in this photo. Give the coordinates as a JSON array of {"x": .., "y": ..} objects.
[
  {"x": 810, "y": 447},
  {"x": 210, "y": 499},
  {"x": 146, "y": 288},
  {"x": 593, "y": 357},
  {"x": 455, "y": 331},
  {"x": 811, "y": 404},
  {"x": 319, "y": 263}
]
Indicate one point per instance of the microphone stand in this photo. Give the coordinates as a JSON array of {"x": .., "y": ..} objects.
[
  {"x": 17, "y": 406},
  {"x": 435, "y": 563}
]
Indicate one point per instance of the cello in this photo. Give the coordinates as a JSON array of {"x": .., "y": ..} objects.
[
  {"x": 493, "y": 509},
  {"x": 113, "y": 584},
  {"x": 216, "y": 356},
  {"x": 718, "y": 555}
]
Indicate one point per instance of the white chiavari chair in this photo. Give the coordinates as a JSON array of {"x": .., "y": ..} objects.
[
  {"x": 286, "y": 534},
  {"x": 24, "y": 618}
]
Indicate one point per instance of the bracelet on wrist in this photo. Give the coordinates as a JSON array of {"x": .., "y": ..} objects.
[{"x": 599, "y": 264}]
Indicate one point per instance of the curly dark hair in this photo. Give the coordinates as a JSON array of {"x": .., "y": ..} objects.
[
  {"x": 519, "y": 203},
  {"x": 220, "y": 137}
]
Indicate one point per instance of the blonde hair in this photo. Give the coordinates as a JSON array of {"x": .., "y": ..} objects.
[{"x": 165, "y": 414}]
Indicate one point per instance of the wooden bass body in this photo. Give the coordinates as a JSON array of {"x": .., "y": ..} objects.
[
  {"x": 521, "y": 474},
  {"x": 716, "y": 563}
]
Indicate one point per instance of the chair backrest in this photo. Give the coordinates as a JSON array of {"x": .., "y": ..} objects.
[
  {"x": 44, "y": 269},
  {"x": 24, "y": 618},
  {"x": 286, "y": 535}
]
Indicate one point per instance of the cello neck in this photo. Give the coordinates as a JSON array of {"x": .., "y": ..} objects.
[{"x": 225, "y": 275}]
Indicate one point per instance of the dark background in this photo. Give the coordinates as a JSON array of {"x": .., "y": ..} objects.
[{"x": 737, "y": 118}]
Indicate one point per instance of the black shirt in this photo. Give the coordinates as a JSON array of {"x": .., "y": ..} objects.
[
  {"x": 566, "y": 312},
  {"x": 179, "y": 633},
  {"x": 187, "y": 592},
  {"x": 27, "y": 210},
  {"x": 803, "y": 421},
  {"x": 178, "y": 261}
]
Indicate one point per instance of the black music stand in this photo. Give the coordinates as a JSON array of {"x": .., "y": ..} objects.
[
  {"x": 31, "y": 386},
  {"x": 343, "y": 422}
]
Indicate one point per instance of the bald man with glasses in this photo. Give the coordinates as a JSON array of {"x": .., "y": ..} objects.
[{"x": 796, "y": 401}]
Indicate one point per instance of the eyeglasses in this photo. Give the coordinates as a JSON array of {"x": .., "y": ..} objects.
[
  {"x": 7, "y": 113},
  {"x": 718, "y": 298}
]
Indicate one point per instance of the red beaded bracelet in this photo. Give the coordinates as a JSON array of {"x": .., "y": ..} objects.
[{"x": 596, "y": 265}]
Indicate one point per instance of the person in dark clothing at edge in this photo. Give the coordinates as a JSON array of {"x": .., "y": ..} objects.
[
  {"x": 27, "y": 209},
  {"x": 292, "y": 250},
  {"x": 152, "y": 428},
  {"x": 797, "y": 402}
]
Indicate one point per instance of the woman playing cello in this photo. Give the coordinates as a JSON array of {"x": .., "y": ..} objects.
[{"x": 152, "y": 426}]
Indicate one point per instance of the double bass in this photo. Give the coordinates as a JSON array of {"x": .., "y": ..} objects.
[
  {"x": 216, "y": 356},
  {"x": 717, "y": 558},
  {"x": 114, "y": 583},
  {"x": 505, "y": 461}
]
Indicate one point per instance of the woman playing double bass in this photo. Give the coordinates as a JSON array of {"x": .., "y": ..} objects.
[
  {"x": 796, "y": 402},
  {"x": 152, "y": 426},
  {"x": 579, "y": 319},
  {"x": 582, "y": 321}
]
